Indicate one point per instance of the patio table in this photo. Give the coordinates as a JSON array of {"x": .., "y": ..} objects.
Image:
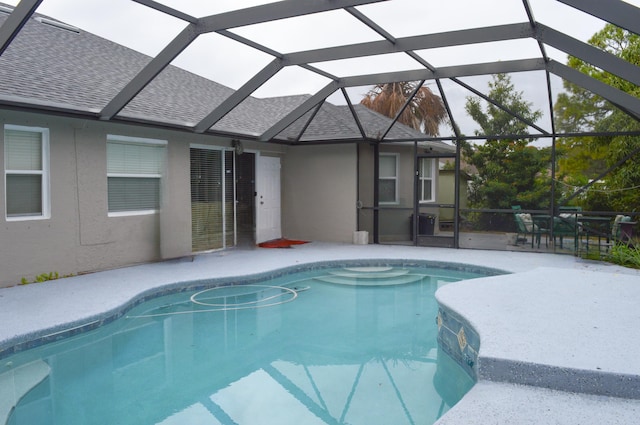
[
  {"x": 541, "y": 222},
  {"x": 594, "y": 226},
  {"x": 565, "y": 224}
]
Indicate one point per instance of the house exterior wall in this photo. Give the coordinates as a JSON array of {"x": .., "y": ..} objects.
[
  {"x": 394, "y": 219},
  {"x": 319, "y": 187},
  {"x": 80, "y": 236}
]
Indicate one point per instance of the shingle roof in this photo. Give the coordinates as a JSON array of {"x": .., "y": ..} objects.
[
  {"x": 81, "y": 72},
  {"x": 337, "y": 122},
  {"x": 85, "y": 71}
]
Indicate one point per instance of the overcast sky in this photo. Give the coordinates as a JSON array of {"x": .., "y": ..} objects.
[{"x": 232, "y": 64}]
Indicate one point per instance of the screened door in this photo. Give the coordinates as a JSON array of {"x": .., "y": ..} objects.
[
  {"x": 212, "y": 203},
  {"x": 434, "y": 223}
]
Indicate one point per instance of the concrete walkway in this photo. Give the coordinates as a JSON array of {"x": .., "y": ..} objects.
[{"x": 565, "y": 327}]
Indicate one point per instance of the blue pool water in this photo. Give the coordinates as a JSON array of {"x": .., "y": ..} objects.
[{"x": 333, "y": 346}]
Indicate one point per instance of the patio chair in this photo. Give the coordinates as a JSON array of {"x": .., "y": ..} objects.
[
  {"x": 521, "y": 234},
  {"x": 525, "y": 226},
  {"x": 566, "y": 224}
]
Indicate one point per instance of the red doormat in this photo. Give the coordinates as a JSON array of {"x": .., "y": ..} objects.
[{"x": 280, "y": 243}]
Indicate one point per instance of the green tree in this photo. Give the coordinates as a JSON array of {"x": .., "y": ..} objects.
[
  {"x": 424, "y": 113},
  {"x": 509, "y": 171},
  {"x": 584, "y": 159}
]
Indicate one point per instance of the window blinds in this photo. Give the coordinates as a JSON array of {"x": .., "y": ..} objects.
[
  {"x": 128, "y": 158},
  {"x": 23, "y": 150},
  {"x": 212, "y": 199},
  {"x": 206, "y": 199},
  {"x": 134, "y": 173},
  {"x": 23, "y": 172}
]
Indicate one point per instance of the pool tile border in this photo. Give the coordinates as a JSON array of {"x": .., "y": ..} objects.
[{"x": 459, "y": 340}]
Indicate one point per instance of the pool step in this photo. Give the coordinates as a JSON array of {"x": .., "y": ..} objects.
[
  {"x": 370, "y": 276},
  {"x": 375, "y": 274}
]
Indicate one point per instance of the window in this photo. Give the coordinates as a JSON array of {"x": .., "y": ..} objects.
[
  {"x": 427, "y": 191},
  {"x": 388, "y": 179},
  {"x": 26, "y": 162},
  {"x": 134, "y": 173}
]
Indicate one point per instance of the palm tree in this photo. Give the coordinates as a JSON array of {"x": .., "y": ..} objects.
[{"x": 424, "y": 113}]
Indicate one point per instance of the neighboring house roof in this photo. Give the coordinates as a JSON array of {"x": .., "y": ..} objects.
[{"x": 80, "y": 72}]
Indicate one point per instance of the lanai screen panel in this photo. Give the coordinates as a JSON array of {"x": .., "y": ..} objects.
[{"x": 239, "y": 53}]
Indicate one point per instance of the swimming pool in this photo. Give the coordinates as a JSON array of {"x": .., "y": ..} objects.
[{"x": 352, "y": 345}]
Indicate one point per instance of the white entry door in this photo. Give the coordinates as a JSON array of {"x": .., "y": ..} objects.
[{"x": 268, "y": 199}]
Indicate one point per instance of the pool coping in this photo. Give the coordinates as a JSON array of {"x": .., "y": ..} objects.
[
  {"x": 593, "y": 317},
  {"x": 27, "y": 309},
  {"x": 26, "y": 341},
  {"x": 580, "y": 346}
]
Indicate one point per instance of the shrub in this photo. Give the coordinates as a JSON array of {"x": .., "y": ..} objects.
[{"x": 625, "y": 255}]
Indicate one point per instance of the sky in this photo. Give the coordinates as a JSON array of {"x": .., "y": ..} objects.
[{"x": 232, "y": 64}]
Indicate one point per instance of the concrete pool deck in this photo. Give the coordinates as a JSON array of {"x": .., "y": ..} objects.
[{"x": 558, "y": 337}]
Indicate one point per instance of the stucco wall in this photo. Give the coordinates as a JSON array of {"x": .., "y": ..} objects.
[
  {"x": 80, "y": 236},
  {"x": 319, "y": 187},
  {"x": 42, "y": 245}
]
